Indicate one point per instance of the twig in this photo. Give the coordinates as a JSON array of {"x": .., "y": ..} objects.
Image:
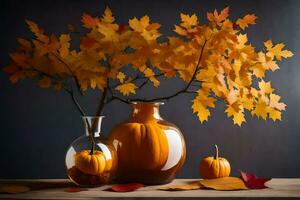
[
  {"x": 183, "y": 90},
  {"x": 79, "y": 108}
]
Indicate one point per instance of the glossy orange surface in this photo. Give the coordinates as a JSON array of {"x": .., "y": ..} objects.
[{"x": 150, "y": 150}]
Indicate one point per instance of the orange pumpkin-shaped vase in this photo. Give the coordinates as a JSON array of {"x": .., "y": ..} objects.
[
  {"x": 214, "y": 167},
  {"x": 150, "y": 150},
  {"x": 90, "y": 161}
]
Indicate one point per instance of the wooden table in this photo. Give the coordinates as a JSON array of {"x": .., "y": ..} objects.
[{"x": 279, "y": 189}]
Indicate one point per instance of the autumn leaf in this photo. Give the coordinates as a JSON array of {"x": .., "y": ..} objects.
[
  {"x": 274, "y": 114},
  {"x": 246, "y": 21},
  {"x": 265, "y": 87},
  {"x": 236, "y": 113},
  {"x": 89, "y": 21},
  {"x": 139, "y": 25},
  {"x": 253, "y": 182},
  {"x": 201, "y": 104},
  {"x": 151, "y": 76},
  {"x": 226, "y": 183},
  {"x": 276, "y": 51},
  {"x": 218, "y": 18},
  {"x": 127, "y": 88},
  {"x": 126, "y": 187},
  {"x": 188, "y": 21},
  {"x": 107, "y": 16},
  {"x": 260, "y": 110},
  {"x": 13, "y": 189},
  {"x": 39, "y": 33},
  {"x": 21, "y": 60},
  {"x": 191, "y": 185},
  {"x": 274, "y": 102},
  {"x": 121, "y": 77},
  {"x": 75, "y": 189},
  {"x": 64, "y": 40}
]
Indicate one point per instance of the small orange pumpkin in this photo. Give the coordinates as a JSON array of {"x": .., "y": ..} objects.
[
  {"x": 214, "y": 167},
  {"x": 93, "y": 164}
]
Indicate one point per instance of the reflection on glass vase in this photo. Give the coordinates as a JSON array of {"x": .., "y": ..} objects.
[
  {"x": 90, "y": 161},
  {"x": 150, "y": 150}
]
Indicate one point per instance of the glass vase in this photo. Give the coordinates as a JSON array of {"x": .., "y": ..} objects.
[
  {"x": 150, "y": 149},
  {"x": 90, "y": 161}
]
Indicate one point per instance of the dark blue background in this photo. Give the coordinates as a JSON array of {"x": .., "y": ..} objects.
[{"x": 37, "y": 125}]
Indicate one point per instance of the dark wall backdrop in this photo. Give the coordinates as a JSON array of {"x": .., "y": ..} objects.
[{"x": 37, "y": 125}]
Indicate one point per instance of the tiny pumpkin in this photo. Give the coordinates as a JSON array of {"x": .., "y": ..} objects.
[
  {"x": 93, "y": 164},
  {"x": 214, "y": 167}
]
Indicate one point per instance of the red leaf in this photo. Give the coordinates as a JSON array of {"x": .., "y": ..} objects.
[
  {"x": 75, "y": 189},
  {"x": 253, "y": 182},
  {"x": 126, "y": 187}
]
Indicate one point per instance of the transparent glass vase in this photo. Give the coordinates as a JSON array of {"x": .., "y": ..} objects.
[
  {"x": 90, "y": 161},
  {"x": 150, "y": 149}
]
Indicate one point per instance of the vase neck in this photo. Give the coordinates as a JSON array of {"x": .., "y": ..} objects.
[
  {"x": 92, "y": 125},
  {"x": 145, "y": 111}
]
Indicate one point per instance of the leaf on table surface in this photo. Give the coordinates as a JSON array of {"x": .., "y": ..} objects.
[
  {"x": 13, "y": 189},
  {"x": 226, "y": 183},
  {"x": 192, "y": 185},
  {"x": 125, "y": 187},
  {"x": 75, "y": 189},
  {"x": 253, "y": 182}
]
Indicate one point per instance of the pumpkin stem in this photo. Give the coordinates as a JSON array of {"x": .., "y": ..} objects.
[{"x": 217, "y": 152}]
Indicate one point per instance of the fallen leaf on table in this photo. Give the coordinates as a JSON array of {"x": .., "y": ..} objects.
[
  {"x": 253, "y": 182},
  {"x": 226, "y": 183},
  {"x": 74, "y": 189},
  {"x": 192, "y": 185},
  {"x": 13, "y": 189},
  {"x": 126, "y": 187}
]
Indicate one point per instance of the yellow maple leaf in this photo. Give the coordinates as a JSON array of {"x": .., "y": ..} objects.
[
  {"x": 151, "y": 76},
  {"x": 107, "y": 17},
  {"x": 236, "y": 112},
  {"x": 274, "y": 114},
  {"x": 64, "y": 41},
  {"x": 265, "y": 87},
  {"x": 188, "y": 21},
  {"x": 121, "y": 76},
  {"x": 202, "y": 112},
  {"x": 218, "y": 18},
  {"x": 276, "y": 51},
  {"x": 239, "y": 118},
  {"x": 200, "y": 104},
  {"x": 246, "y": 21},
  {"x": 139, "y": 25},
  {"x": 266, "y": 62},
  {"x": 127, "y": 88},
  {"x": 260, "y": 110},
  {"x": 274, "y": 102},
  {"x": 242, "y": 40}
]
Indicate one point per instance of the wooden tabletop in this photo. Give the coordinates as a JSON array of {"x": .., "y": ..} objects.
[{"x": 279, "y": 189}]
